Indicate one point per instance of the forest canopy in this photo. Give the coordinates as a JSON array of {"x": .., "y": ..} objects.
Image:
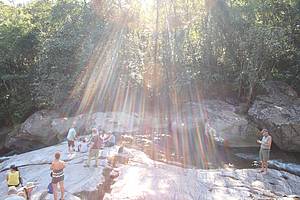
[{"x": 53, "y": 51}]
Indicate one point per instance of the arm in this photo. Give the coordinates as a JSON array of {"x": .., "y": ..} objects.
[
  {"x": 259, "y": 141},
  {"x": 91, "y": 142},
  {"x": 20, "y": 179},
  {"x": 76, "y": 135},
  {"x": 269, "y": 141},
  {"x": 63, "y": 164}
]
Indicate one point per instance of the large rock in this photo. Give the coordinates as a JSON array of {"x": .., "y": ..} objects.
[
  {"x": 279, "y": 111},
  {"x": 38, "y": 127},
  {"x": 45, "y": 128},
  {"x": 18, "y": 143},
  {"x": 35, "y": 132},
  {"x": 3, "y": 136},
  {"x": 108, "y": 122},
  {"x": 222, "y": 123}
]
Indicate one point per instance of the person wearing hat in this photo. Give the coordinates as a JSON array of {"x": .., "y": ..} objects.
[
  {"x": 13, "y": 177},
  {"x": 26, "y": 191},
  {"x": 264, "y": 152},
  {"x": 12, "y": 194}
]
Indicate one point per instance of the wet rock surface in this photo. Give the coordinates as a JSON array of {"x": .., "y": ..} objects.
[
  {"x": 144, "y": 178},
  {"x": 139, "y": 177}
]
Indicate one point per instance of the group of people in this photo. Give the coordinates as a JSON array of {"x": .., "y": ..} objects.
[
  {"x": 93, "y": 145},
  {"x": 14, "y": 180},
  {"x": 82, "y": 144}
]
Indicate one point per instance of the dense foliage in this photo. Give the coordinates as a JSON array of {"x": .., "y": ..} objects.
[{"x": 47, "y": 49}]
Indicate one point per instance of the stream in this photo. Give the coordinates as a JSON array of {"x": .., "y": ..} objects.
[{"x": 216, "y": 157}]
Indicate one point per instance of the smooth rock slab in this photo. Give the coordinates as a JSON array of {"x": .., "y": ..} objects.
[
  {"x": 143, "y": 178},
  {"x": 148, "y": 180},
  {"x": 35, "y": 167}
]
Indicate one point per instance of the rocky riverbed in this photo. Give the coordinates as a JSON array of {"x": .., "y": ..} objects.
[{"x": 144, "y": 178}]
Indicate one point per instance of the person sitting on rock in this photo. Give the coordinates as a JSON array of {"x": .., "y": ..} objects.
[
  {"x": 12, "y": 194},
  {"x": 95, "y": 147},
  {"x": 26, "y": 190},
  {"x": 78, "y": 145},
  {"x": 110, "y": 140},
  {"x": 57, "y": 168},
  {"x": 13, "y": 177},
  {"x": 71, "y": 137},
  {"x": 83, "y": 146},
  {"x": 265, "y": 147}
]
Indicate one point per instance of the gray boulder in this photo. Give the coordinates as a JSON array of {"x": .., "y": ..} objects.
[
  {"x": 60, "y": 126},
  {"x": 279, "y": 111},
  {"x": 38, "y": 126},
  {"x": 108, "y": 122},
  {"x": 222, "y": 123},
  {"x": 34, "y": 133},
  {"x": 3, "y": 135},
  {"x": 45, "y": 128}
]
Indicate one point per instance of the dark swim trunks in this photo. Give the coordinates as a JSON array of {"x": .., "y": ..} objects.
[
  {"x": 13, "y": 185},
  {"x": 57, "y": 176},
  {"x": 71, "y": 143}
]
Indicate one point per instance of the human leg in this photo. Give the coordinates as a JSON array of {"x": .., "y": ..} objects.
[
  {"x": 261, "y": 158},
  {"x": 89, "y": 158},
  {"x": 54, "y": 188},
  {"x": 62, "y": 189},
  {"x": 96, "y": 155},
  {"x": 70, "y": 146},
  {"x": 266, "y": 155}
]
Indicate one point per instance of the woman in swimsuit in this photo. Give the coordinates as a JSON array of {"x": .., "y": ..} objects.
[{"x": 57, "y": 168}]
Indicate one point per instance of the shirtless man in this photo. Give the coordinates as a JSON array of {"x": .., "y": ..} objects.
[{"x": 57, "y": 168}]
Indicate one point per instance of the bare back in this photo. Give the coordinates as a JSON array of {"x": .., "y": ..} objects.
[{"x": 57, "y": 165}]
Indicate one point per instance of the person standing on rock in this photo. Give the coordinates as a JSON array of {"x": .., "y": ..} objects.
[
  {"x": 71, "y": 137},
  {"x": 264, "y": 152},
  {"x": 96, "y": 145},
  {"x": 110, "y": 141},
  {"x": 57, "y": 168}
]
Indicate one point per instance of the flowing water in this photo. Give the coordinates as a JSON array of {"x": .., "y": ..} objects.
[{"x": 218, "y": 156}]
